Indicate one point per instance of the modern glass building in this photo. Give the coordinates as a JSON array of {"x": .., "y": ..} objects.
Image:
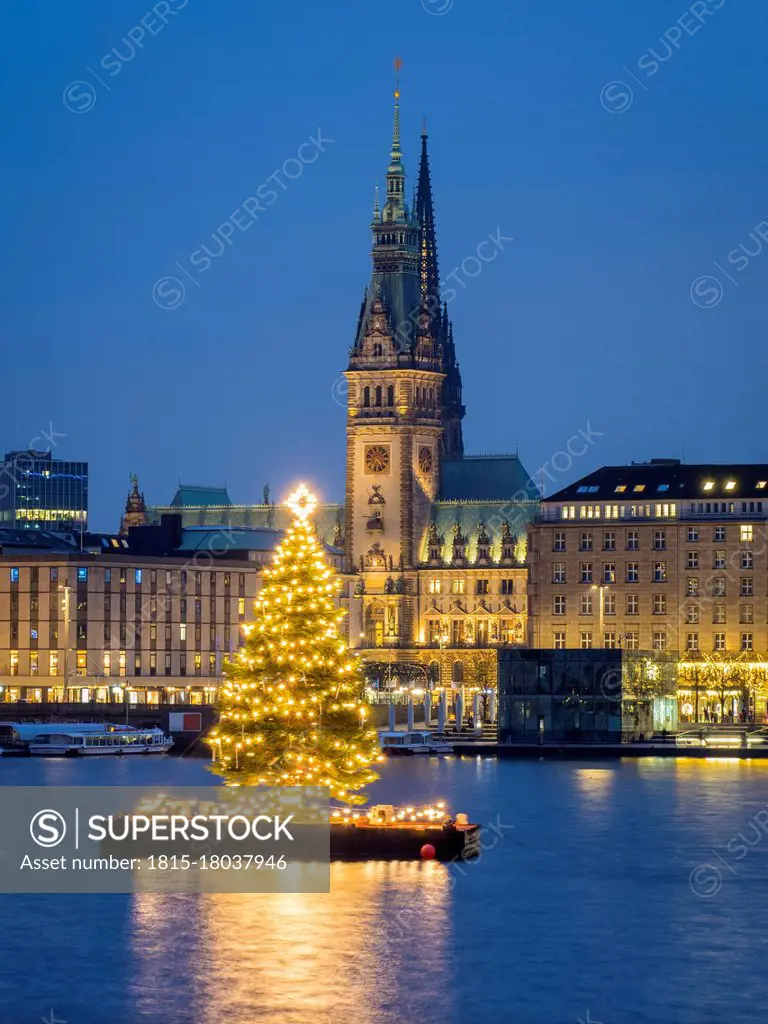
[
  {"x": 585, "y": 696},
  {"x": 39, "y": 492}
]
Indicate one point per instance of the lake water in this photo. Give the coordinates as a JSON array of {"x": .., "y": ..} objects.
[{"x": 582, "y": 908}]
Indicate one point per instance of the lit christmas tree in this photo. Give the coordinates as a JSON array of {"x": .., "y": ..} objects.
[{"x": 290, "y": 710}]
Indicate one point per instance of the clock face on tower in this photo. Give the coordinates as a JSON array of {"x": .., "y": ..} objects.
[
  {"x": 377, "y": 459},
  {"x": 425, "y": 460}
]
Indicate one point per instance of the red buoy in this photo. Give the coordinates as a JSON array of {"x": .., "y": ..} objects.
[{"x": 428, "y": 852}]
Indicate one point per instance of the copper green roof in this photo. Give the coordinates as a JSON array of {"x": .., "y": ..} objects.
[
  {"x": 486, "y": 478},
  {"x": 193, "y": 495}
]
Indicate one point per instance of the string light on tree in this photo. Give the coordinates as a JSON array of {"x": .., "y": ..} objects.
[{"x": 291, "y": 712}]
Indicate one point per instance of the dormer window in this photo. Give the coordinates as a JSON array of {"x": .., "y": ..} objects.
[{"x": 377, "y": 349}]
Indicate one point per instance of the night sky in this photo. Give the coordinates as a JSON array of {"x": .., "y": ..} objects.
[{"x": 619, "y": 203}]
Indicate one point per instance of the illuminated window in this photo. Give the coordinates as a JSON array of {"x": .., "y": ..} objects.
[
  {"x": 53, "y": 663},
  {"x": 198, "y": 664},
  {"x": 660, "y": 572},
  {"x": 621, "y": 488},
  {"x": 693, "y": 586},
  {"x": 746, "y": 532},
  {"x": 730, "y": 484},
  {"x": 761, "y": 484},
  {"x": 638, "y": 488},
  {"x": 182, "y": 631},
  {"x": 33, "y": 663},
  {"x": 609, "y": 572},
  {"x": 457, "y": 586},
  {"x": 709, "y": 485},
  {"x": 82, "y": 575},
  {"x": 14, "y": 661},
  {"x": 137, "y": 577},
  {"x": 436, "y": 585},
  {"x": 82, "y": 663},
  {"x": 241, "y": 607},
  {"x": 121, "y": 662},
  {"x": 14, "y": 575},
  {"x": 106, "y": 663}
]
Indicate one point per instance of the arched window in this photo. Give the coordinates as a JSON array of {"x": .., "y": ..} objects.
[
  {"x": 434, "y": 672},
  {"x": 391, "y": 395},
  {"x": 366, "y": 396},
  {"x": 378, "y": 396}
]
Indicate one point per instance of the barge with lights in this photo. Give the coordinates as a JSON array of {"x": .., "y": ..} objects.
[{"x": 385, "y": 832}]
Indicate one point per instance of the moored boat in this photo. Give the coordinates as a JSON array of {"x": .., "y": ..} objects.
[{"x": 92, "y": 739}]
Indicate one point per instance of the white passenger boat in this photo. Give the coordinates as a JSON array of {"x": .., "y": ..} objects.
[
  {"x": 418, "y": 741},
  {"x": 79, "y": 740}
]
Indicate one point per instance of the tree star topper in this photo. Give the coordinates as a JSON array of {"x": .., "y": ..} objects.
[{"x": 302, "y": 502}]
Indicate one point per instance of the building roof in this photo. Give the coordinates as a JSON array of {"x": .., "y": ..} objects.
[
  {"x": 668, "y": 479},
  {"x": 486, "y": 478},
  {"x": 34, "y": 540},
  {"x": 196, "y": 495},
  {"x": 226, "y": 538}
]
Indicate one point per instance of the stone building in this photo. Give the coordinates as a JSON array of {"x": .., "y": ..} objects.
[
  {"x": 436, "y": 538},
  {"x": 661, "y": 556},
  {"x": 152, "y": 615}
]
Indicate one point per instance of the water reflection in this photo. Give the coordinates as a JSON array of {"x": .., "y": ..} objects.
[{"x": 375, "y": 946}]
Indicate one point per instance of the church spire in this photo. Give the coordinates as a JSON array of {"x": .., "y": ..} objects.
[
  {"x": 430, "y": 277},
  {"x": 395, "y": 209}
]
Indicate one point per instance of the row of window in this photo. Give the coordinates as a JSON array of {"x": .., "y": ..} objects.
[
  {"x": 139, "y": 576},
  {"x": 117, "y": 666},
  {"x": 632, "y": 570},
  {"x": 631, "y": 641},
  {"x": 587, "y": 606},
  {"x": 632, "y": 538},
  {"x": 437, "y": 585},
  {"x": 659, "y": 510},
  {"x": 123, "y": 631}
]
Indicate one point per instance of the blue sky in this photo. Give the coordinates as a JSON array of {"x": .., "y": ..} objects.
[{"x": 621, "y": 146}]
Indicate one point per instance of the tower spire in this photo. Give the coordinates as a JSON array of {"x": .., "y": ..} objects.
[{"x": 430, "y": 277}]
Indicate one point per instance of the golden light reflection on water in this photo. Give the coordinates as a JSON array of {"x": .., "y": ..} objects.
[
  {"x": 353, "y": 954},
  {"x": 594, "y": 784}
]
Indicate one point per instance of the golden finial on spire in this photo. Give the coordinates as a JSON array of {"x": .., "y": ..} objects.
[{"x": 398, "y": 65}]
